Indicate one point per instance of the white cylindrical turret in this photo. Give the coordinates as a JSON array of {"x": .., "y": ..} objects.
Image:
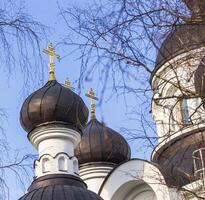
[
  {"x": 56, "y": 150},
  {"x": 176, "y": 104},
  {"x": 93, "y": 174}
]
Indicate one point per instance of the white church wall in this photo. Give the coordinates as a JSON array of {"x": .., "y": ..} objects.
[
  {"x": 134, "y": 190},
  {"x": 173, "y": 80},
  {"x": 194, "y": 191},
  {"x": 136, "y": 179},
  {"x": 94, "y": 175}
]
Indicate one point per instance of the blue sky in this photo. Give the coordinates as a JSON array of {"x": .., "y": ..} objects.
[{"x": 112, "y": 112}]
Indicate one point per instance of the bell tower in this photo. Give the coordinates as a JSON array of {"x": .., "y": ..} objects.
[
  {"x": 177, "y": 105},
  {"x": 54, "y": 118}
]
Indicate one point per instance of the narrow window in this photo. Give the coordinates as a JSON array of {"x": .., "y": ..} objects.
[
  {"x": 62, "y": 164},
  {"x": 75, "y": 166},
  {"x": 45, "y": 165},
  {"x": 184, "y": 112}
]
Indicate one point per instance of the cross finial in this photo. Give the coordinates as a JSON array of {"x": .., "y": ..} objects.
[
  {"x": 51, "y": 52},
  {"x": 68, "y": 84},
  {"x": 92, "y": 97}
]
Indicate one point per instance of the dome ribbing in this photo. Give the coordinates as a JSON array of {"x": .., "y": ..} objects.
[
  {"x": 53, "y": 103},
  {"x": 101, "y": 144}
]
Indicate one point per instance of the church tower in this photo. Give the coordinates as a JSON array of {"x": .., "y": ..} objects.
[
  {"x": 100, "y": 150},
  {"x": 54, "y": 117},
  {"x": 178, "y": 109}
]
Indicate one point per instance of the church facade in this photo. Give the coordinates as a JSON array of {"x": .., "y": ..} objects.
[{"x": 80, "y": 160}]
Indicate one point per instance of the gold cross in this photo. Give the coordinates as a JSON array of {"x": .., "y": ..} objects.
[
  {"x": 68, "y": 84},
  {"x": 51, "y": 52},
  {"x": 92, "y": 97}
]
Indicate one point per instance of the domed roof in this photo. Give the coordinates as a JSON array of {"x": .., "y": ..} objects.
[
  {"x": 184, "y": 37},
  {"x": 101, "y": 144},
  {"x": 53, "y": 103},
  {"x": 197, "y": 7},
  {"x": 61, "y": 192},
  {"x": 59, "y": 187}
]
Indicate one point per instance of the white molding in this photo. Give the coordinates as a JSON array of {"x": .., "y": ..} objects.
[
  {"x": 55, "y": 166},
  {"x": 172, "y": 138},
  {"x": 94, "y": 175},
  {"x": 178, "y": 58},
  {"x": 37, "y": 136}
]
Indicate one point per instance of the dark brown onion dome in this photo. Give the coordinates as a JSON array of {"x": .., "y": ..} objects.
[
  {"x": 53, "y": 103},
  {"x": 101, "y": 144},
  {"x": 184, "y": 37},
  {"x": 181, "y": 40},
  {"x": 59, "y": 187},
  {"x": 197, "y": 7}
]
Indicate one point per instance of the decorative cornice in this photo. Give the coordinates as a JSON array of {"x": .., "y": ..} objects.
[
  {"x": 166, "y": 143},
  {"x": 38, "y": 135},
  {"x": 59, "y": 164},
  {"x": 95, "y": 170}
]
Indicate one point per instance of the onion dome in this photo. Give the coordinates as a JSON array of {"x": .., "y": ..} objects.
[
  {"x": 197, "y": 7},
  {"x": 59, "y": 187},
  {"x": 53, "y": 103},
  {"x": 184, "y": 37},
  {"x": 102, "y": 144}
]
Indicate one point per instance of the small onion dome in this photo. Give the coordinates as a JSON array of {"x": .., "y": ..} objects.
[
  {"x": 53, "y": 103},
  {"x": 101, "y": 144},
  {"x": 59, "y": 187}
]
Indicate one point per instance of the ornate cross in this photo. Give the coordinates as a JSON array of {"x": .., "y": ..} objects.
[
  {"x": 68, "y": 84},
  {"x": 92, "y": 97},
  {"x": 51, "y": 52}
]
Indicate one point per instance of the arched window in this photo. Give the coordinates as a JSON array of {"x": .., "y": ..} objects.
[
  {"x": 184, "y": 111},
  {"x": 45, "y": 165},
  {"x": 62, "y": 165},
  {"x": 75, "y": 166}
]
